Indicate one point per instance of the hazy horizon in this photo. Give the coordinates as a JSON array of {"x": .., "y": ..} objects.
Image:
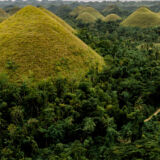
[{"x": 108, "y": 0}]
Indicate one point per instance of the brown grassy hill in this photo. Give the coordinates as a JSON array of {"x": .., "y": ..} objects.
[
  {"x": 142, "y": 17},
  {"x": 86, "y": 17},
  {"x": 32, "y": 41},
  {"x": 86, "y": 14},
  {"x": 112, "y": 17}
]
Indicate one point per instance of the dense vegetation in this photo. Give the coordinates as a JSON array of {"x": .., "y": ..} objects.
[{"x": 99, "y": 118}]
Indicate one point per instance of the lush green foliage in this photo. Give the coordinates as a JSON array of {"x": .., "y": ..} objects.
[{"x": 99, "y": 118}]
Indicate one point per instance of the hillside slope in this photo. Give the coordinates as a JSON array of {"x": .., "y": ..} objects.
[
  {"x": 34, "y": 43},
  {"x": 142, "y": 17},
  {"x": 62, "y": 22}
]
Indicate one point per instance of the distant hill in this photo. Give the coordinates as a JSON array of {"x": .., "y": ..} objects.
[
  {"x": 3, "y": 15},
  {"x": 114, "y": 9},
  {"x": 34, "y": 43},
  {"x": 86, "y": 17},
  {"x": 142, "y": 17},
  {"x": 12, "y": 9},
  {"x": 112, "y": 17},
  {"x": 155, "y": 7},
  {"x": 86, "y": 14}
]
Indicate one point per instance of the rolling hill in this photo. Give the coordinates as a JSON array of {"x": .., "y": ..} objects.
[
  {"x": 86, "y": 17},
  {"x": 114, "y": 9},
  {"x": 3, "y": 15},
  {"x": 32, "y": 42},
  {"x": 86, "y": 14},
  {"x": 142, "y": 17},
  {"x": 112, "y": 17}
]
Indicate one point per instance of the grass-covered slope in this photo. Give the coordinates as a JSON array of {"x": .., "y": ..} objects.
[
  {"x": 31, "y": 41},
  {"x": 112, "y": 17},
  {"x": 86, "y": 14},
  {"x": 62, "y": 22},
  {"x": 142, "y": 17}
]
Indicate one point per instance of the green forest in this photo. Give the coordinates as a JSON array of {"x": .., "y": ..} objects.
[{"x": 103, "y": 113}]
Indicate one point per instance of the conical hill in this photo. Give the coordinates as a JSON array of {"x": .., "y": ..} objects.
[
  {"x": 32, "y": 41},
  {"x": 142, "y": 17},
  {"x": 112, "y": 17}
]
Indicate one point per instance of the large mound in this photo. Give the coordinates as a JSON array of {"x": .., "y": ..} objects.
[
  {"x": 112, "y": 17},
  {"x": 31, "y": 41},
  {"x": 142, "y": 17},
  {"x": 81, "y": 11}
]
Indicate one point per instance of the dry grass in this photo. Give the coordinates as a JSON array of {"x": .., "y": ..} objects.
[
  {"x": 62, "y": 22},
  {"x": 34, "y": 43},
  {"x": 86, "y": 17},
  {"x": 112, "y": 17},
  {"x": 86, "y": 14},
  {"x": 143, "y": 18}
]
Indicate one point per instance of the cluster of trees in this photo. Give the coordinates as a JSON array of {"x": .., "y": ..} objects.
[{"x": 99, "y": 118}]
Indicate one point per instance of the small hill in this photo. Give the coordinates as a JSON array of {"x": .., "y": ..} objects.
[
  {"x": 112, "y": 17},
  {"x": 34, "y": 43},
  {"x": 142, "y": 17},
  {"x": 81, "y": 11},
  {"x": 86, "y": 17},
  {"x": 114, "y": 9}
]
